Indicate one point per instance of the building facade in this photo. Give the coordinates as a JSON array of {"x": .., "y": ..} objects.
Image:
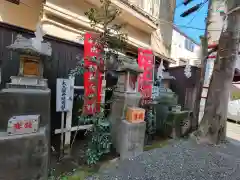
[
  {"x": 64, "y": 23},
  {"x": 66, "y": 20},
  {"x": 184, "y": 49}
]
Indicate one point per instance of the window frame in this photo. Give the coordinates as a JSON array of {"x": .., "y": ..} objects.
[{"x": 189, "y": 45}]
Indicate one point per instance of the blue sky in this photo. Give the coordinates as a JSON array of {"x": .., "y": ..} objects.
[{"x": 198, "y": 21}]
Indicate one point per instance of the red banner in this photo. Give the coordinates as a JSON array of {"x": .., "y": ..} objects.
[
  {"x": 92, "y": 105},
  {"x": 145, "y": 80}
]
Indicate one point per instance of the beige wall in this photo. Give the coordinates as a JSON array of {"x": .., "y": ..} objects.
[
  {"x": 67, "y": 20},
  {"x": 23, "y": 15}
]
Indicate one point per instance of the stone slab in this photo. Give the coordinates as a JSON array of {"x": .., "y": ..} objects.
[
  {"x": 130, "y": 139},
  {"x": 15, "y": 102},
  {"x": 24, "y": 157}
]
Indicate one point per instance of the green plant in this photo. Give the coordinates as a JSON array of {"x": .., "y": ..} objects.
[
  {"x": 235, "y": 95},
  {"x": 109, "y": 42},
  {"x": 101, "y": 140},
  {"x": 150, "y": 122}
]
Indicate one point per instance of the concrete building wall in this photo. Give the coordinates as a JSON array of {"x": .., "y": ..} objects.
[
  {"x": 179, "y": 52},
  {"x": 25, "y": 15},
  {"x": 58, "y": 12},
  {"x": 66, "y": 20}
]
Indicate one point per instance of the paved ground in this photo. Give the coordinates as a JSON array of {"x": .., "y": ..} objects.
[
  {"x": 183, "y": 160},
  {"x": 233, "y": 131}
]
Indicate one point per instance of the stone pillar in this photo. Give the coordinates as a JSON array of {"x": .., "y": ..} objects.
[
  {"x": 131, "y": 139},
  {"x": 119, "y": 107},
  {"x": 125, "y": 95}
]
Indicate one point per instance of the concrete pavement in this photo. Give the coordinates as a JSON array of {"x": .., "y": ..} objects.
[
  {"x": 233, "y": 131},
  {"x": 183, "y": 160}
]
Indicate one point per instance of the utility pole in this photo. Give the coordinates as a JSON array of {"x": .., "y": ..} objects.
[{"x": 213, "y": 125}]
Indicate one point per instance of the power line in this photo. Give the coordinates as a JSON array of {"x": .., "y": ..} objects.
[{"x": 197, "y": 12}]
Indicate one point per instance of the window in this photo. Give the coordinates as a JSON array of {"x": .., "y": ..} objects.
[{"x": 189, "y": 45}]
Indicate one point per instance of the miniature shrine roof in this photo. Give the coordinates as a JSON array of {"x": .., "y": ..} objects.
[
  {"x": 31, "y": 46},
  {"x": 128, "y": 64}
]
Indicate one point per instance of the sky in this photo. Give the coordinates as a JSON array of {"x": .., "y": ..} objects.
[{"x": 194, "y": 20}]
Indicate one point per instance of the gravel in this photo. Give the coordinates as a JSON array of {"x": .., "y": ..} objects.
[{"x": 182, "y": 160}]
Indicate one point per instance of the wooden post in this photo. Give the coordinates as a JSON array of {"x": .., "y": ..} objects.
[
  {"x": 67, "y": 142},
  {"x": 62, "y": 134}
]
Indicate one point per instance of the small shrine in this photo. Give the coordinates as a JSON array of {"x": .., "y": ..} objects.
[
  {"x": 126, "y": 91},
  {"x": 127, "y": 119},
  {"x": 128, "y": 72},
  {"x": 32, "y": 52},
  {"x": 25, "y": 112}
]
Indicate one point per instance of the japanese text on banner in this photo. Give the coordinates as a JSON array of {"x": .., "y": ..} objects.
[
  {"x": 145, "y": 62},
  {"x": 91, "y": 105}
]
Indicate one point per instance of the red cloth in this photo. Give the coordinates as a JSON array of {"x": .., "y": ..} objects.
[
  {"x": 145, "y": 62},
  {"x": 90, "y": 106}
]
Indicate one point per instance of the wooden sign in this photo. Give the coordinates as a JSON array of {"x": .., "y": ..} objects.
[
  {"x": 30, "y": 65},
  {"x": 135, "y": 115},
  {"x": 31, "y": 68},
  {"x": 63, "y": 95},
  {"x": 23, "y": 124}
]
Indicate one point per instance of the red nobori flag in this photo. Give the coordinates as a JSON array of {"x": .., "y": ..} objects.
[
  {"x": 90, "y": 50},
  {"x": 145, "y": 80}
]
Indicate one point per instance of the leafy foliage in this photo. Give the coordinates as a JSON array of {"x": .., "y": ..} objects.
[
  {"x": 110, "y": 41},
  {"x": 151, "y": 123},
  {"x": 101, "y": 140}
]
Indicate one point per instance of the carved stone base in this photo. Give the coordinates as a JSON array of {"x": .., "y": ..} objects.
[
  {"x": 24, "y": 157},
  {"x": 27, "y": 83},
  {"x": 119, "y": 109},
  {"x": 130, "y": 139}
]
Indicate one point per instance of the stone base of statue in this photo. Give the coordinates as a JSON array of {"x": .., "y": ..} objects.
[
  {"x": 122, "y": 100},
  {"x": 24, "y": 157},
  {"x": 22, "y": 101},
  {"x": 27, "y": 82},
  {"x": 130, "y": 139}
]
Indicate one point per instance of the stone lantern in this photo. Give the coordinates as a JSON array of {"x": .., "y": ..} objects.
[
  {"x": 128, "y": 73},
  {"x": 126, "y": 93},
  {"x": 31, "y": 63},
  {"x": 25, "y": 113}
]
